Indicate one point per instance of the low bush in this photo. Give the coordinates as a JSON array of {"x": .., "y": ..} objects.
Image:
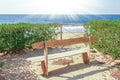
[
  {"x": 107, "y": 34},
  {"x": 15, "y": 37}
]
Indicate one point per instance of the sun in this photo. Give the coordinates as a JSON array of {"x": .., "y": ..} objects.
[{"x": 54, "y": 8}]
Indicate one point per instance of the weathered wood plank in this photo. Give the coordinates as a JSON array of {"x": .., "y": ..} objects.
[
  {"x": 59, "y": 55},
  {"x": 38, "y": 45},
  {"x": 57, "y": 43}
]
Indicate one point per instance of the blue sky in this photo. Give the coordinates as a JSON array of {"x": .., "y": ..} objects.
[{"x": 59, "y": 6}]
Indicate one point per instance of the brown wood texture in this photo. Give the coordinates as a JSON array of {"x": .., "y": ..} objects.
[
  {"x": 65, "y": 42},
  {"x": 43, "y": 67},
  {"x": 85, "y": 58},
  {"x": 38, "y": 45},
  {"x": 46, "y": 57}
]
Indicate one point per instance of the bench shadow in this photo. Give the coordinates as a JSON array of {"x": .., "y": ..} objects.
[
  {"x": 71, "y": 68},
  {"x": 58, "y": 72},
  {"x": 88, "y": 73}
]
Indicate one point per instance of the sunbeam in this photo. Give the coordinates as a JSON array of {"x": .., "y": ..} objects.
[{"x": 58, "y": 7}]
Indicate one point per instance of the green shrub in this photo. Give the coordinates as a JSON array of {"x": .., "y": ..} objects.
[
  {"x": 107, "y": 34},
  {"x": 14, "y": 37}
]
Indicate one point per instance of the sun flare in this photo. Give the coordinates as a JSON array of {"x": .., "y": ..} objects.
[{"x": 60, "y": 6}]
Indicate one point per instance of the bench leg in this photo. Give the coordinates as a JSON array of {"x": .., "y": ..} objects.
[
  {"x": 85, "y": 58},
  {"x": 44, "y": 68}
]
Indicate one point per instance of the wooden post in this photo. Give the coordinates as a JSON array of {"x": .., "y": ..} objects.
[
  {"x": 85, "y": 58},
  {"x": 46, "y": 59},
  {"x": 90, "y": 45},
  {"x": 61, "y": 32},
  {"x": 43, "y": 67}
]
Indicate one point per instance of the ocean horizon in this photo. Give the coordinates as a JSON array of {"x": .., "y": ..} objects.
[
  {"x": 45, "y": 19},
  {"x": 68, "y": 21}
]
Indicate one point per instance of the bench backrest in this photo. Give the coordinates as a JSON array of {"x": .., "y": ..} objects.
[{"x": 65, "y": 42}]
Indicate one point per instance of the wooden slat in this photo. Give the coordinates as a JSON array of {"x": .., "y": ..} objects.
[
  {"x": 59, "y": 55},
  {"x": 57, "y": 43},
  {"x": 38, "y": 45}
]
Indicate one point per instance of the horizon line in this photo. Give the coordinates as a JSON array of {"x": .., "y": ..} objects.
[{"x": 57, "y": 14}]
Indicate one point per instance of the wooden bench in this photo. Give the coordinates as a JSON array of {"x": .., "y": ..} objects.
[{"x": 56, "y": 43}]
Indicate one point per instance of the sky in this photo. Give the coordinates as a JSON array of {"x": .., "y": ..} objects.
[{"x": 59, "y": 7}]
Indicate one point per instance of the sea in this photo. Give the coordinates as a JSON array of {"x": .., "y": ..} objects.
[{"x": 67, "y": 20}]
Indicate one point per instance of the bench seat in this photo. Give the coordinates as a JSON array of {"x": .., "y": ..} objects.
[{"x": 58, "y": 55}]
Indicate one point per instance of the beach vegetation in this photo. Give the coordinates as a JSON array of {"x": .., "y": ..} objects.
[
  {"x": 107, "y": 34},
  {"x": 14, "y": 37}
]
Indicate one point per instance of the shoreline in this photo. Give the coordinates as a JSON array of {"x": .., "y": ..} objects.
[{"x": 72, "y": 29}]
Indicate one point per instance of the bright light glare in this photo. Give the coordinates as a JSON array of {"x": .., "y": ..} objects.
[{"x": 59, "y": 6}]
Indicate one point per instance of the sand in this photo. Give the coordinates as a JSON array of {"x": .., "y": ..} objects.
[{"x": 17, "y": 68}]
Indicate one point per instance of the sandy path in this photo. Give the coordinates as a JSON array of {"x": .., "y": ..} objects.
[
  {"x": 17, "y": 68},
  {"x": 96, "y": 70}
]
